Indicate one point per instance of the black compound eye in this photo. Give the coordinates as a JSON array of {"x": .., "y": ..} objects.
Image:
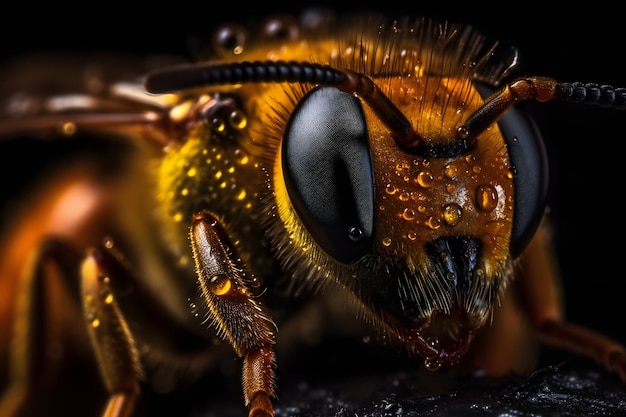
[
  {"x": 328, "y": 172},
  {"x": 530, "y": 168}
]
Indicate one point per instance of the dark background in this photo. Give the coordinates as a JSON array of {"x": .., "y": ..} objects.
[{"x": 587, "y": 161}]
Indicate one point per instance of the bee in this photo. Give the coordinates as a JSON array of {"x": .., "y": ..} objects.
[{"x": 378, "y": 169}]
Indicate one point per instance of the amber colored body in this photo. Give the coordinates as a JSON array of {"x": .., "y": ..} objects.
[{"x": 194, "y": 239}]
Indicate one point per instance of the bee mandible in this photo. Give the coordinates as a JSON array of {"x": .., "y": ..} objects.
[{"x": 383, "y": 160}]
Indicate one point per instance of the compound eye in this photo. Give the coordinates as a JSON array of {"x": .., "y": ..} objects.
[
  {"x": 328, "y": 172},
  {"x": 530, "y": 169}
]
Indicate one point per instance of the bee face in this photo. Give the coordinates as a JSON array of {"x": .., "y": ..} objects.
[{"x": 417, "y": 235}]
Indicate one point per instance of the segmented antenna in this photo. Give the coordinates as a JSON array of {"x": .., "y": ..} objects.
[
  {"x": 539, "y": 89},
  {"x": 193, "y": 76},
  {"x": 594, "y": 94}
]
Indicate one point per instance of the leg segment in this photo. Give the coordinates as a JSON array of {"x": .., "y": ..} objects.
[
  {"x": 48, "y": 339},
  {"x": 540, "y": 298},
  {"x": 225, "y": 285},
  {"x": 110, "y": 337},
  {"x": 44, "y": 340}
]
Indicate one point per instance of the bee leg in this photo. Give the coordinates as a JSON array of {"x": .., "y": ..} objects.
[
  {"x": 225, "y": 285},
  {"x": 110, "y": 336},
  {"x": 540, "y": 295},
  {"x": 46, "y": 334}
]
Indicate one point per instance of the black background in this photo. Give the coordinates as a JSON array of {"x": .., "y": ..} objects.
[{"x": 585, "y": 143}]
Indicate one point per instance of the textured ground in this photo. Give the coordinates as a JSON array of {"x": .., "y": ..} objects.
[
  {"x": 569, "y": 389},
  {"x": 565, "y": 387}
]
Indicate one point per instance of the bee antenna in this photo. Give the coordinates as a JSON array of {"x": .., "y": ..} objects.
[
  {"x": 193, "y": 76},
  {"x": 594, "y": 94},
  {"x": 539, "y": 89}
]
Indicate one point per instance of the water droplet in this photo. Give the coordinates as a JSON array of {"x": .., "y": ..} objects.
[
  {"x": 241, "y": 195},
  {"x": 433, "y": 222},
  {"x": 108, "y": 242},
  {"x": 242, "y": 157},
  {"x": 193, "y": 307},
  {"x": 425, "y": 179},
  {"x": 486, "y": 197},
  {"x": 95, "y": 323},
  {"x": 432, "y": 365},
  {"x": 355, "y": 233},
  {"x": 219, "y": 284},
  {"x": 411, "y": 235},
  {"x": 218, "y": 124},
  {"x": 408, "y": 214},
  {"x": 404, "y": 196},
  {"x": 191, "y": 172},
  {"x": 391, "y": 189},
  {"x": 452, "y": 214},
  {"x": 68, "y": 129},
  {"x": 386, "y": 241},
  {"x": 451, "y": 171},
  {"x": 402, "y": 165},
  {"x": 108, "y": 299},
  {"x": 433, "y": 342},
  {"x": 237, "y": 119}
]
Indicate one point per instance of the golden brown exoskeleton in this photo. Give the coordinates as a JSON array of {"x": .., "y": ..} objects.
[{"x": 377, "y": 161}]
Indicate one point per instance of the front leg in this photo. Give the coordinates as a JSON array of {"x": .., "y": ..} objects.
[{"x": 237, "y": 314}]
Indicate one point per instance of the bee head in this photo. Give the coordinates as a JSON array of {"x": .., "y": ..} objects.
[
  {"x": 403, "y": 187},
  {"x": 425, "y": 236}
]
